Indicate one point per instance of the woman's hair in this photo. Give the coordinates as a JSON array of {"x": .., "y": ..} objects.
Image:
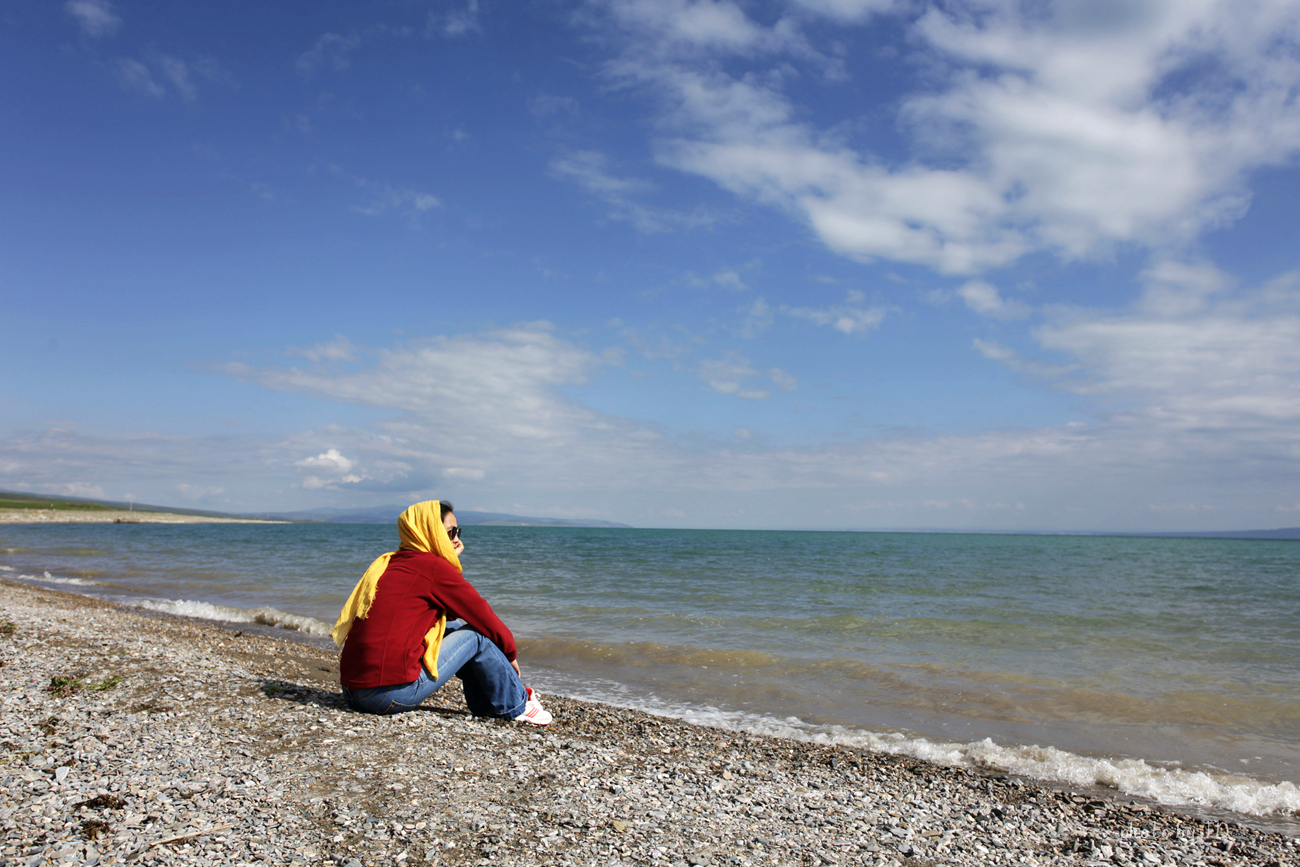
[{"x": 446, "y": 509}]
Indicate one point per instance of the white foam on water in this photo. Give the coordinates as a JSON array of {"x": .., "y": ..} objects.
[
  {"x": 47, "y": 578},
  {"x": 265, "y": 615},
  {"x": 1169, "y": 786},
  {"x": 6, "y": 568}
]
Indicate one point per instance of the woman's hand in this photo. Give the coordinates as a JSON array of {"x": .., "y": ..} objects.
[
  {"x": 515, "y": 663},
  {"x": 458, "y": 546}
]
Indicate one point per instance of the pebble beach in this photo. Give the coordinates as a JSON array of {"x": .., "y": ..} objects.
[{"x": 130, "y": 737}]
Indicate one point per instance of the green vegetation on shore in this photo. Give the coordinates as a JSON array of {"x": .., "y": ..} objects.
[
  {"x": 63, "y": 686},
  {"x": 27, "y": 501},
  {"x": 10, "y": 500}
]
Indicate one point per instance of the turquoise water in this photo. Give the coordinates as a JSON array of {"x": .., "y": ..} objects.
[{"x": 1168, "y": 668}]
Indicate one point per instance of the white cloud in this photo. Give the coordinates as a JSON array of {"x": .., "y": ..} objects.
[
  {"x": 329, "y": 460},
  {"x": 758, "y": 317},
  {"x": 730, "y": 279},
  {"x": 688, "y": 26},
  {"x": 727, "y": 375},
  {"x": 591, "y": 170},
  {"x": 783, "y": 380},
  {"x": 1232, "y": 366},
  {"x": 338, "y": 349},
  {"x": 385, "y": 197},
  {"x": 401, "y": 198},
  {"x": 1189, "y": 360},
  {"x": 1071, "y": 129},
  {"x": 95, "y": 17},
  {"x": 1176, "y": 288},
  {"x": 503, "y": 374},
  {"x": 847, "y": 10},
  {"x": 994, "y": 351},
  {"x": 985, "y": 300},
  {"x": 82, "y": 489},
  {"x": 134, "y": 75},
  {"x": 45, "y": 460},
  {"x": 200, "y": 493},
  {"x": 465, "y": 404},
  {"x": 552, "y": 105},
  {"x": 1200, "y": 407},
  {"x": 851, "y": 317},
  {"x": 727, "y": 278},
  {"x": 1014, "y": 361},
  {"x": 179, "y": 75},
  {"x": 458, "y": 22},
  {"x": 332, "y": 50},
  {"x": 151, "y": 76}
]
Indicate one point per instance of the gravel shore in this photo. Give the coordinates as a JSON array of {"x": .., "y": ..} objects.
[{"x": 128, "y": 737}]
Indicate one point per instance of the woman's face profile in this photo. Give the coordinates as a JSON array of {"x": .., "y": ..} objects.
[{"x": 449, "y": 522}]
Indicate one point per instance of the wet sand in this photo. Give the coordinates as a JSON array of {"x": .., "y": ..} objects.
[{"x": 177, "y": 741}]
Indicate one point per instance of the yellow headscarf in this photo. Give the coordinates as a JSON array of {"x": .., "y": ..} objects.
[{"x": 421, "y": 529}]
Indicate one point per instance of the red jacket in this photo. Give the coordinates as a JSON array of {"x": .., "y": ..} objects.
[{"x": 385, "y": 647}]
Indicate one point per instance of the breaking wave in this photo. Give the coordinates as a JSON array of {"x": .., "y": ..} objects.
[
  {"x": 47, "y": 578},
  {"x": 265, "y": 615},
  {"x": 1170, "y": 786}
]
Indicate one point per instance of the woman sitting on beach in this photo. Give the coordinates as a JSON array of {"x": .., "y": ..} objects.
[{"x": 398, "y": 646}]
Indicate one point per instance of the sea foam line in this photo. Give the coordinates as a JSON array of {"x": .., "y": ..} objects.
[
  {"x": 47, "y": 578},
  {"x": 265, "y": 615},
  {"x": 1168, "y": 786}
]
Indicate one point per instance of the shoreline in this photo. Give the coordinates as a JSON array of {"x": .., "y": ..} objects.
[
  {"x": 115, "y": 516},
  {"x": 236, "y": 745}
]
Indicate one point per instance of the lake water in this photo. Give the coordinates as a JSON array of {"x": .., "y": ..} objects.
[{"x": 1164, "y": 668}]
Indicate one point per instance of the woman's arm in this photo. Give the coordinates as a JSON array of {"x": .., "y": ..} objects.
[{"x": 458, "y": 598}]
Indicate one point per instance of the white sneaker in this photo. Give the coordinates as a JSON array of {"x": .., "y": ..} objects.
[{"x": 534, "y": 714}]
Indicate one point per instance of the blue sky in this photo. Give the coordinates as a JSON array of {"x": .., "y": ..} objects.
[{"x": 813, "y": 263}]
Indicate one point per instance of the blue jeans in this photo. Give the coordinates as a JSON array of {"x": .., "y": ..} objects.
[{"x": 491, "y": 686}]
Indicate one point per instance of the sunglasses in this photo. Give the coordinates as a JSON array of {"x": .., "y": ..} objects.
[{"x": 453, "y": 533}]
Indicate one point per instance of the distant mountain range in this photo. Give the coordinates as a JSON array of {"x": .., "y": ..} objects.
[
  {"x": 388, "y": 515},
  {"x": 1292, "y": 533},
  {"x": 377, "y": 515}
]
